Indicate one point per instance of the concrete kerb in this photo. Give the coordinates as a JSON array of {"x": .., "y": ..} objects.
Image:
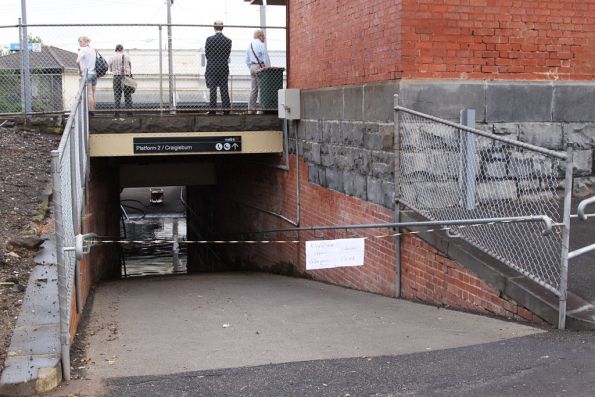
[{"x": 33, "y": 361}]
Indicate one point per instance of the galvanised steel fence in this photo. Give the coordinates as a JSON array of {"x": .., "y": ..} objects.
[
  {"x": 173, "y": 71},
  {"x": 451, "y": 171},
  {"x": 70, "y": 167}
]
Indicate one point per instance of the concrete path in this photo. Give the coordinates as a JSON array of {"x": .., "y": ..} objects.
[{"x": 172, "y": 324}]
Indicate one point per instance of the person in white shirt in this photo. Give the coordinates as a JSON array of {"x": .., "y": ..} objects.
[
  {"x": 257, "y": 58},
  {"x": 86, "y": 61}
]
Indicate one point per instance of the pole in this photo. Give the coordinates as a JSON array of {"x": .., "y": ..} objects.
[
  {"x": 160, "y": 68},
  {"x": 26, "y": 65},
  {"x": 565, "y": 238},
  {"x": 263, "y": 17},
  {"x": 397, "y": 203},
  {"x": 467, "y": 162},
  {"x": 171, "y": 58}
]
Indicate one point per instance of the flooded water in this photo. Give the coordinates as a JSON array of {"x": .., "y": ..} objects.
[{"x": 153, "y": 257}]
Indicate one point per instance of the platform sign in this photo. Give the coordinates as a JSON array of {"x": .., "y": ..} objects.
[
  {"x": 326, "y": 254},
  {"x": 187, "y": 144}
]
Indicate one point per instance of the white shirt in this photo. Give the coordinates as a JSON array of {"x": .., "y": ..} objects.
[
  {"x": 261, "y": 52},
  {"x": 86, "y": 59}
]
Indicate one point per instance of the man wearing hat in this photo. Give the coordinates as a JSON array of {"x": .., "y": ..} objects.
[{"x": 217, "y": 50}]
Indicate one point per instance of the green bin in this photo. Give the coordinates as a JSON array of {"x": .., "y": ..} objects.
[{"x": 270, "y": 80}]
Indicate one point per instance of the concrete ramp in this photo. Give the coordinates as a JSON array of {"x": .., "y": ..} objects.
[{"x": 165, "y": 325}]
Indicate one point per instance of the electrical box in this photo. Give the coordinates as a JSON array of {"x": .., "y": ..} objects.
[{"x": 289, "y": 104}]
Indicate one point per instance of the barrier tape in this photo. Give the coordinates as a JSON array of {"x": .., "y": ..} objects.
[{"x": 161, "y": 241}]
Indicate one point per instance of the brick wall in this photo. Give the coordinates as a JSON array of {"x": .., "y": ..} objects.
[
  {"x": 102, "y": 213},
  {"x": 275, "y": 190},
  {"x": 427, "y": 275},
  {"x": 349, "y": 42},
  {"x": 335, "y": 42},
  {"x": 430, "y": 277}
]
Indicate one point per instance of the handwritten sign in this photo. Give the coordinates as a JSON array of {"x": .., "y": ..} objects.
[{"x": 325, "y": 254}]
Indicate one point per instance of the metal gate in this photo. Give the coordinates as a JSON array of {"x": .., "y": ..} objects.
[{"x": 447, "y": 170}]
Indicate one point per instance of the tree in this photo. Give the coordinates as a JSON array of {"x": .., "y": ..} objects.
[{"x": 34, "y": 39}]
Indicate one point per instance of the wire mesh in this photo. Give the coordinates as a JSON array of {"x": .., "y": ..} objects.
[
  {"x": 183, "y": 77},
  {"x": 450, "y": 173}
]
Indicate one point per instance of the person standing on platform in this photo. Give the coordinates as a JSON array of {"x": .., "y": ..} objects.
[
  {"x": 120, "y": 66},
  {"x": 86, "y": 62},
  {"x": 257, "y": 58},
  {"x": 217, "y": 50}
]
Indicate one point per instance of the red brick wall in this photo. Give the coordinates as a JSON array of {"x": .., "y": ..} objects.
[
  {"x": 430, "y": 277},
  {"x": 350, "y": 42},
  {"x": 101, "y": 217},
  {"x": 427, "y": 276},
  {"x": 334, "y": 42},
  {"x": 275, "y": 190}
]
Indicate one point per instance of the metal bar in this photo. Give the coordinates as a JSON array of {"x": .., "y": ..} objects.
[
  {"x": 185, "y": 25},
  {"x": 160, "y": 68},
  {"x": 582, "y": 206},
  {"x": 565, "y": 238},
  {"x": 548, "y": 223},
  {"x": 468, "y": 169},
  {"x": 538, "y": 149},
  {"x": 62, "y": 282},
  {"x": 580, "y": 251},
  {"x": 26, "y": 76},
  {"x": 170, "y": 57},
  {"x": 397, "y": 210}
]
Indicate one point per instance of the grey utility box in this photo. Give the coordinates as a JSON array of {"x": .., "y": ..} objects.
[{"x": 289, "y": 104}]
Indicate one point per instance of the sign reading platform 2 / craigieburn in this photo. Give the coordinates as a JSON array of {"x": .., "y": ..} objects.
[{"x": 189, "y": 144}]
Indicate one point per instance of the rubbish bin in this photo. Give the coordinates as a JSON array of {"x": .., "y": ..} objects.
[{"x": 270, "y": 80}]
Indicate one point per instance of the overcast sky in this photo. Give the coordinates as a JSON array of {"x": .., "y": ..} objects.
[{"x": 231, "y": 12}]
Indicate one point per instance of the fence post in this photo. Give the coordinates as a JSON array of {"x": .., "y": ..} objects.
[
  {"x": 24, "y": 47},
  {"x": 468, "y": 170},
  {"x": 397, "y": 203},
  {"x": 160, "y": 68},
  {"x": 565, "y": 237},
  {"x": 62, "y": 278}
]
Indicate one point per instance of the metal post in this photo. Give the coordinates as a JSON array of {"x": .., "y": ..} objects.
[
  {"x": 176, "y": 245},
  {"x": 62, "y": 283},
  {"x": 397, "y": 204},
  {"x": 565, "y": 237},
  {"x": 263, "y": 17},
  {"x": 171, "y": 58},
  {"x": 468, "y": 169},
  {"x": 26, "y": 76},
  {"x": 160, "y": 68}
]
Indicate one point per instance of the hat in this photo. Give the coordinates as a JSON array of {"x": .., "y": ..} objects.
[{"x": 218, "y": 23}]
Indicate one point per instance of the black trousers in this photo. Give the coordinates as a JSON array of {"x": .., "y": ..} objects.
[
  {"x": 120, "y": 89},
  {"x": 214, "y": 81}
]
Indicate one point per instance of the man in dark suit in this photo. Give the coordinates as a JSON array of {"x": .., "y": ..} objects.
[{"x": 217, "y": 50}]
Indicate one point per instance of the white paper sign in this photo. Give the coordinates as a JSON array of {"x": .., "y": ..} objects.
[{"x": 325, "y": 254}]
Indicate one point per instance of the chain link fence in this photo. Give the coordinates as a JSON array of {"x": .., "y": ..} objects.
[
  {"x": 70, "y": 167},
  {"x": 450, "y": 171},
  {"x": 173, "y": 72}
]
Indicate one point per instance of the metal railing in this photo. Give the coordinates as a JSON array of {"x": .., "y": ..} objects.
[
  {"x": 180, "y": 78},
  {"x": 452, "y": 171},
  {"x": 70, "y": 167}
]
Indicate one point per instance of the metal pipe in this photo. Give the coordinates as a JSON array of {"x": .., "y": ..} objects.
[
  {"x": 160, "y": 68},
  {"x": 397, "y": 211},
  {"x": 548, "y": 223},
  {"x": 26, "y": 64},
  {"x": 580, "y": 251},
  {"x": 565, "y": 238},
  {"x": 171, "y": 58},
  {"x": 582, "y": 206}
]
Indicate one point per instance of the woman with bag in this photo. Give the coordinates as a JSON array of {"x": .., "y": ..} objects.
[
  {"x": 121, "y": 67},
  {"x": 86, "y": 62}
]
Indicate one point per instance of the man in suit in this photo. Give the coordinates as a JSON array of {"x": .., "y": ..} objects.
[{"x": 217, "y": 50}]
